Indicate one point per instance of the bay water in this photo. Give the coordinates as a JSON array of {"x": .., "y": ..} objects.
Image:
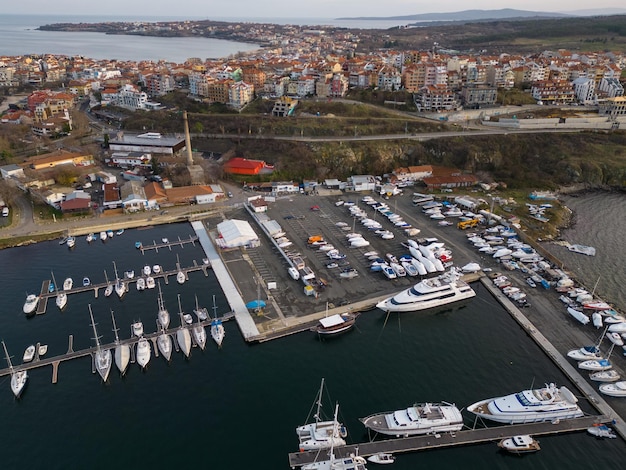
[{"x": 238, "y": 407}]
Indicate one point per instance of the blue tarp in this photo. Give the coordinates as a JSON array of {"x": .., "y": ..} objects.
[{"x": 255, "y": 304}]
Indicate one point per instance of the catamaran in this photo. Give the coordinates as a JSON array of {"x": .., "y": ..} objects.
[{"x": 102, "y": 358}]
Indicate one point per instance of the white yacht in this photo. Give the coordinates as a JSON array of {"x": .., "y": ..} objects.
[
  {"x": 18, "y": 378},
  {"x": 156, "y": 269},
  {"x": 321, "y": 434},
  {"x": 31, "y": 303},
  {"x": 29, "y": 353},
  {"x": 61, "y": 300},
  {"x": 150, "y": 284},
  {"x": 141, "y": 283},
  {"x": 617, "y": 389},
  {"x": 163, "y": 315},
  {"x": 147, "y": 270},
  {"x": 164, "y": 343},
  {"x": 108, "y": 290},
  {"x": 68, "y": 283},
  {"x": 182, "y": 334},
  {"x": 122, "y": 351},
  {"x": 102, "y": 358},
  {"x": 180, "y": 277},
  {"x": 528, "y": 406},
  {"x": 430, "y": 293},
  {"x": 137, "y": 329},
  {"x": 424, "y": 418},
  {"x": 120, "y": 288},
  {"x": 143, "y": 352},
  {"x": 585, "y": 353}
]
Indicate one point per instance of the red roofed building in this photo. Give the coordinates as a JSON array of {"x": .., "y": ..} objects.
[
  {"x": 243, "y": 166},
  {"x": 76, "y": 205}
]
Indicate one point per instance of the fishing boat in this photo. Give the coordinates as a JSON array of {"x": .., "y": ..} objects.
[
  {"x": 30, "y": 304},
  {"x": 321, "y": 434},
  {"x": 217, "y": 329},
  {"x": 382, "y": 458},
  {"x": 102, "y": 357},
  {"x": 182, "y": 334},
  {"x": 520, "y": 444},
  {"x": 29, "y": 353},
  {"x": 336, "y": 324},
  {"x": 143, "y": 352},
  {"x": 424, "y": 418},
  {"x": 122, "y": 351},
  {"x": 528, "y": 406},
  {"x": 18, "y": 378},
  {"x": 601, "y": 431},
  {"x": 164, "y": 343}
]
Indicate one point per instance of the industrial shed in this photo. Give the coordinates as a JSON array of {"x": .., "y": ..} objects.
[{"x": 235, "y": 233}]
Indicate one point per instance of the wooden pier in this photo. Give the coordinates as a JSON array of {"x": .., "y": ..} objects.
[
  {"x": 56, "y": 361},
  {"x": 168, "y": 244},
  {"x": 45, "y": 293},
  {"x": 436, "y": 441}
]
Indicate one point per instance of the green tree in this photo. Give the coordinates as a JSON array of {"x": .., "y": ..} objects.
[{"x": 154, "y": 165}]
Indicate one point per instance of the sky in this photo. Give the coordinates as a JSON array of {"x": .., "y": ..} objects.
[{"x": 209, "y": 9}]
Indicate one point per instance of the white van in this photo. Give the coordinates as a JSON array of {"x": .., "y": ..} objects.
[{"x": 5, "y": 212}]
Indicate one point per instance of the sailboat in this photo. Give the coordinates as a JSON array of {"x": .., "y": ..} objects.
[
  {"x": 102, "y": 357},
  {"x": 122, "y": 351},
  {"x": 61, "y": 299},
  {"x": 201, "y": 312},
  {"x": 164, "y": 343},
  {"x": 120, "y": 286},
  {"x": 163, "y": 315},
  {"x": 182, "y": 334},
  {"x": 321, "y": 434},
  {"x": 199, "y": 335},
  {"x": 217, "y": 329},
  {"x": 353, "y": 462},
  {"x": 18, "y": 378},
  {"x": 108, "y": 290},
  {"x": 143, "y": 352}
]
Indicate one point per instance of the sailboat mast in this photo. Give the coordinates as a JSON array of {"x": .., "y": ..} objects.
[
  {"x": 95, "y": 333},
  {"x": 214, "y": 307},
  {"x": 6, "y": 353},
  {"x": 115, "y": 328},
  {"x": 319, "y": 401}
]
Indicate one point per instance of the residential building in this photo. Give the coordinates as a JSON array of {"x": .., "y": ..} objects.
[
  {"x": 478, "y": 96},
  {"x": 611, "y": 86},
  {"x": 561, "y": 92},
  {"x": 285, "y": 106},
  {"x": 433, "y": 98},
  {"x": 60, "y": 157},
  {"x": 613, "y": 107},
  {"x": 240, "y": 94},
  {"x": 584, "y": 90},
  {"x": 133, "y": 197}
]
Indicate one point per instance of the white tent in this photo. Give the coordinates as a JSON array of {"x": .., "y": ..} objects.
[{"x": 234, "y": 233}]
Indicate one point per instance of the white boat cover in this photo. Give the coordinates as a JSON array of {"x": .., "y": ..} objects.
[{"x": 333, "y": 320}]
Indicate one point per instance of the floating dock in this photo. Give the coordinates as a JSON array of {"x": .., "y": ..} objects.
[
  {"x": 168, "y": 244},
  {"x": 436, "y": 441},
  {"x": 55, "y": 361},
  {"x": 45, "y": 293}
]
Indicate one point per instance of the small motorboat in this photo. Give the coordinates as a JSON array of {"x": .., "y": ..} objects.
[
  {"x": 605, "y": 376},
  {"x": 129, "y": 274},
  {"x": 601, "y": 431},
  {"x": 382, "y": 458},
  {"x": 138, "y": 245},
  {"x": 103, "y": 236},
  {"x": 519, "y": 444},
  {"x": 617, "y": 389},
  {"x": 63, "y": 241},
  {"x": 585, "y": 353},
  {"x": 119, "y": 232},
  {"x": 188, "y": 318},
  {"x": 596, "y": 365},
  {"x": 90, "y": 238},
  {"x": 43, "y": 349},
  {"x": 180, "y": 277},
  {"x": 156, "y": 269},
  {"x": 137, "y": 329},
  {"x": 615, "y": 338},
  {"x": 68, "y": 283},
  {"x": 29, "y": 354},
  {"x": 141, "y": 283},
  {"x": 86, "y": 281},
  {"x": 147, "y": 270}
]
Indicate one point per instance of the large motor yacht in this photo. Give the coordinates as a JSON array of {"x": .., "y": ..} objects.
[
  {"x": 417, "y": 419},
  {"x": 528, "y": 406},
  {"x": 430, "y": 293}
]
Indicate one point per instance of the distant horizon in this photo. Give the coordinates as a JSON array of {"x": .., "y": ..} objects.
[{"x": 363, "y": 11}]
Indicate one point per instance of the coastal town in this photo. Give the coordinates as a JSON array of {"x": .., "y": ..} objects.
[{"x": 315, "y": 256}]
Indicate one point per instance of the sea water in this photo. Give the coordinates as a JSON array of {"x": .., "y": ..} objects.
[{"x": 238, "y": 407}]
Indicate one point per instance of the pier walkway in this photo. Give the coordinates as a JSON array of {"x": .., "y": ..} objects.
[
  {"x": 71, "y": 354},
  {"x": 594, "y": 397},
  {"x": 435, "y": 441},
  {"x": 45, "y": 293},
  {"x": 167, "y": 244},
  {"x": 242, "y": 315}
]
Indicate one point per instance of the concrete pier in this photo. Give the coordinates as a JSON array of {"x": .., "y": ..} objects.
[{"x": 242, "y": 315}]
